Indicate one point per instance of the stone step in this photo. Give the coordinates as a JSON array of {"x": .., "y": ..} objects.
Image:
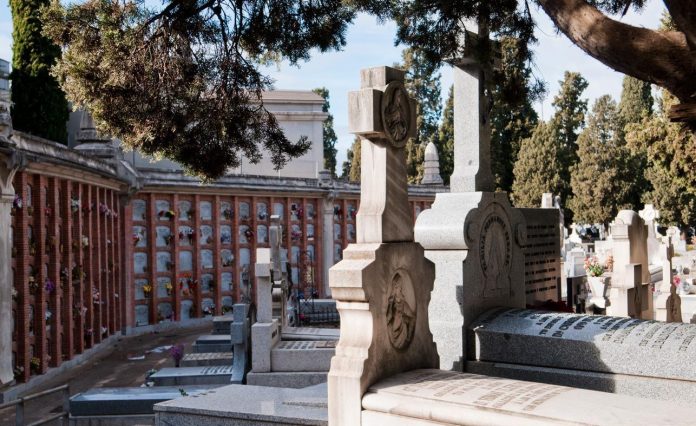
[
  {"x": 310, "y": 333},
  {"x": 207, "y": 359},
  {"x": 305, "y": 355},
  {"x": 205, "y": 375},
  {"x": 213, "y": 343},
  {"x": 295, "y": 380}
]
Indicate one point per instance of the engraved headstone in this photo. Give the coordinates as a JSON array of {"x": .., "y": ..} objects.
[
  {"x": 163, "y": 233},
  {"x": 589, "y": 343},
  {"x": 139, "y": 210},
  {"x": 207, "y": 259},
  {"x": 206, "y": 236},
  {"x": 244, "y": 211},
  {"x": 142, "y": 315},
  {"x": 225, "y": 234},
  {"x": 226, "y": 281},
  {"x": 262, "y": 234},
  {"x": 164, "y": 261},
  {"x": 162, "y": 207},
  {"x": 139, "y": 263},
  {"x": 185, "y": 261},
  {"x": 184, "y": 210},
  {"x": 140, "y": 236},
  {"x": 261, "y": 211},
  {"x": 206, "y": 208},
  {"x": 186, "y": 306}
]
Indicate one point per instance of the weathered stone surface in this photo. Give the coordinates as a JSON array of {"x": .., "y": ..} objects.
[
  {"x": 263, "y": 337},
  {"x": 476, "y": 241},
  {"x": 213, "y": 343},
  {"x": 586, "y": 343},
  {"x": 303, "y": 355},
  {"x": 542, "y": 255},
  {"x": 245, "y": 405},
  {"x": 285, "y": 379},
  {"x": 239, "y": 337},
  {"x": 7, "y": 172},
  {"x": 443, "y": 397},
  {"x": 216, "y": 375},
  {"x": 221, "y": 324}
]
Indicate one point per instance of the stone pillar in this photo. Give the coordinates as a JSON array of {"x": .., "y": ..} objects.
[
  {"x": 265, "y": 332},
  {"x": 7, "y": 171},
  {"x": 327, "y": 242}
]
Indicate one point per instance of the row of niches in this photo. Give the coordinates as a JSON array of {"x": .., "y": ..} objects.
[
  {"x": 165, "y": 310},
  {"x": 185, "y": 211},
  {"x": 51, "y": 242},
  {"x": 51, "y": 287},
  {"x": 164, "y": 262},
  {"x": 206, "y": 235},
  {"x": 185, "y": 286},
  {"x": 24, "y": 204}
]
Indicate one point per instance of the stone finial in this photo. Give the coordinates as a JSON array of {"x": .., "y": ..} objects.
[
  {"x": 431, "y": 173},
  {"x": 88, "y": 130},
  {"x": 384, "y": 117}
]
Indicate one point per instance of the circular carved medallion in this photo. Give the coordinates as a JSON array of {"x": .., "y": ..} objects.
[
  {"x": 396, "y": 114},
  {"x": 401, "y": 310},
  {"x": 495, "y": 254}
]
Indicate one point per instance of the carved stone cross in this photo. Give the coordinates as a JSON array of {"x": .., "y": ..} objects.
[
  {"x": 472, "y": 129},
  {"x": 384, "y": 117}
]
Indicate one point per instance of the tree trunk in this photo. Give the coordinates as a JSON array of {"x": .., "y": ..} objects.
[{"x": 664, "y": 58}]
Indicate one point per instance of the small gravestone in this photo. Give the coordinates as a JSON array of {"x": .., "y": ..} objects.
[
  {"x": 185, "y": 261},
  {"x": 207, "y": 259},
  {"x": 205, "y": 375},
  {"x": 140, "y": 263},
  {"x": 162, "y": 233},
  {"x": 164, "y": 260},
  {"x": 206, "y": 359},
  {"x": 206, "y": 209}
]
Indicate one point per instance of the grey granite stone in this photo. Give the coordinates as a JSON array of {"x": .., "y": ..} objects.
[
  {"x": 310, "y": 333},
  {"x": 126, "y": 401},
  {"x": 212, "y": 375},
  {"x": 588, "y": 343},
  {"x": 246, "y": 405},
  {"x": 283, "y": 379},
  {"x": 206, "y": 359},
  {"x": 303, "y": 356},
  {"x": 221, "y": 324}
]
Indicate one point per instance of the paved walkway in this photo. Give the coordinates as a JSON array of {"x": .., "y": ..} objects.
[{"x": 111, "y": 369}]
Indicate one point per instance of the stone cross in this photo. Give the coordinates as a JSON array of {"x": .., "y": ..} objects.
[
  {"x": 382, "y": 286},
  {"x": 384, "y": 118},
  {"x": 472, "y": 130},
  {"x": 239, "y": 337}
]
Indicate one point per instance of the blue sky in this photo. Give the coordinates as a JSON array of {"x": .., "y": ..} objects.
[{"x": 371, "y": 44}]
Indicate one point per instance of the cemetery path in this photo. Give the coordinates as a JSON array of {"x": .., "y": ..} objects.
[{"x": 111, "y": 369}]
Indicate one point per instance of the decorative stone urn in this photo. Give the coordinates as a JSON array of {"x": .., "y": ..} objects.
[{"x": 599, "y": 287}]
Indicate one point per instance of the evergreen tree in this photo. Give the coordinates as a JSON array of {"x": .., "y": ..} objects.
[
  {"x": 601, "y": 181},
  {"x": 445, "y": 139},
  {"x": 328, "y": 133},
  {"x": 354, "y": 175},
  {"x": 636, "y": 104},
  {"x": 636, "y": 100},
  {"x": 512, "y": 118},
  {"x": 671, "y": 152},
  {"x": 538, "y": 169},
  {"x": 345, "y": 167},
  {"x": 39, "y": 106},
  {"x": 423, "y": 84},
  {"x": 567, "y": 122}
]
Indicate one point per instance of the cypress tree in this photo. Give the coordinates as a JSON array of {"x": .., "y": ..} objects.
[
  {"x": 537, "y": 169},
  {"x": 328, "y": 133},
  {"x": 354, "y": 175},
  {"x": 600, "y": 180},
  {"x": 567, "y": 122},
  {"x": 512, "y": 117},
  {"x": 445, "y": 139},
  {"x": 39, "y": 105}
]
